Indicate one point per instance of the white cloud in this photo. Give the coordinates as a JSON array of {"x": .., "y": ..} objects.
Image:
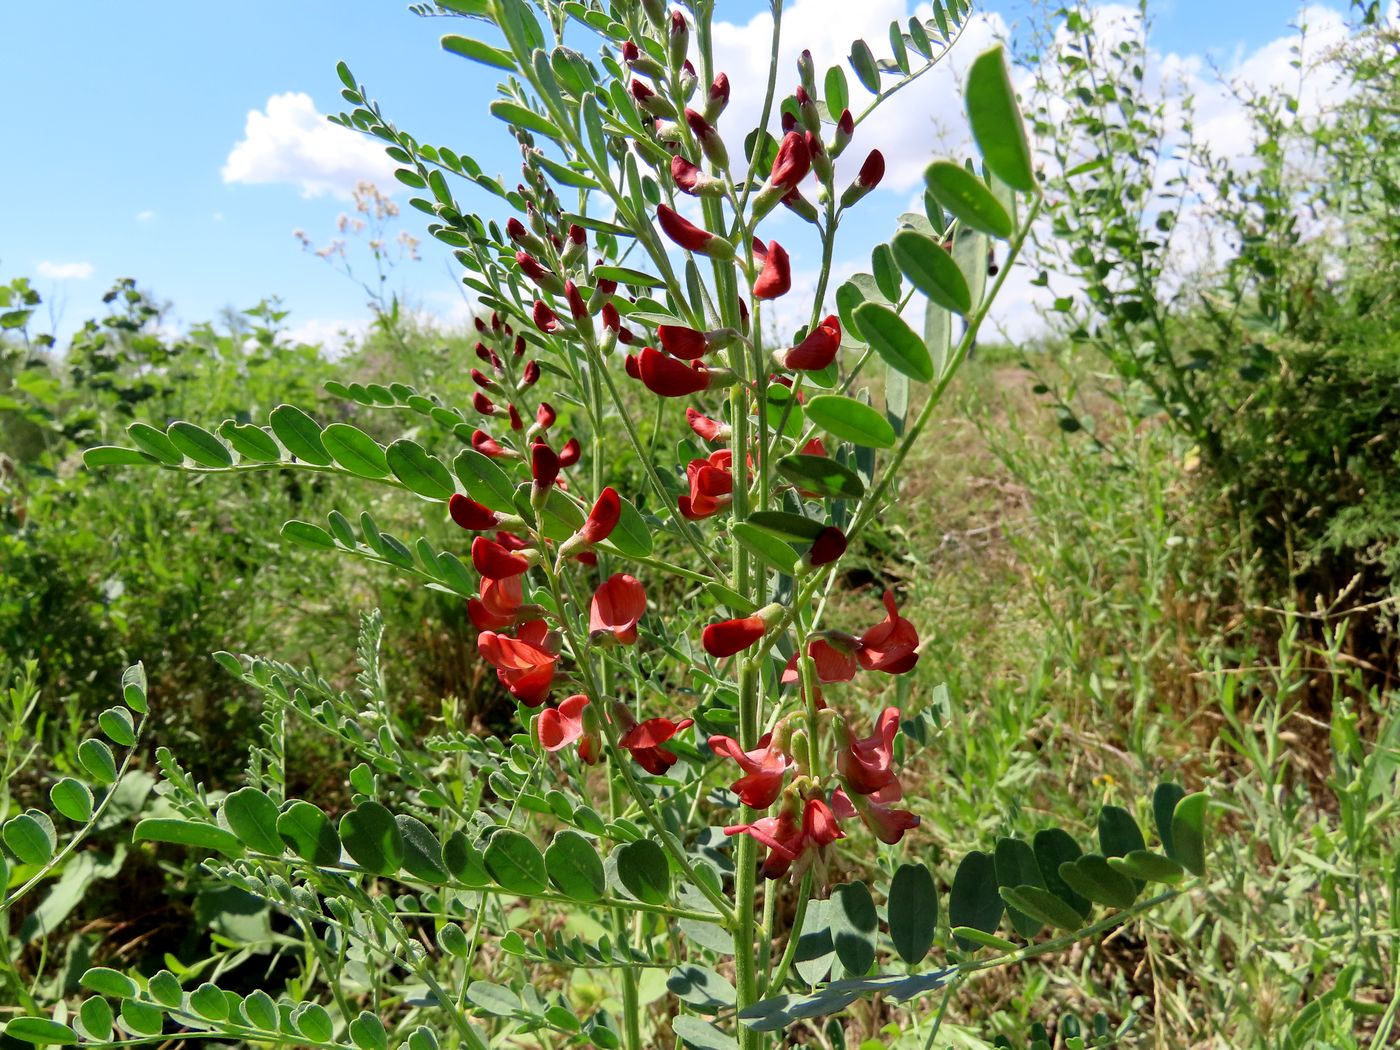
[
  {"x": 145, "y": 216},
  {"x": 290, "y": 142},
  {"x": 334, "y": 336},
  {"x": 69, "y": 271},
  {"x": 909, "y": 128}
]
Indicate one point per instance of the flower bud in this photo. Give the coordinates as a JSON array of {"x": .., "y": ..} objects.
[
  {"x": 691, "y": 237},
  {"x": 807, "y": 72},
  {"x": 845, "y": 128},
  {"x": 690, "y": 179},
  {"x": 639, "y": 62},
  {"x": 650, "y": 102},
  {"x": 710, "y": 141},
  {"x": 821, "y": 163},
  {"x": 807, "y": 112},
  {"x": 801, "y": 206},
  {"x": 546, "y": 320},
  {"x": 775, "y": 278},
  {"x": 871, "y": 172},
  {"x": 718, "y": 98},
  {"x": 483, "y": 404},
  {"x": 689, "y": 81},
  {"x": 678, "y": 43}
]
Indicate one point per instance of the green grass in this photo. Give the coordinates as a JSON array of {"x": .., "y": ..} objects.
[{"x": 1077, "y": 615}]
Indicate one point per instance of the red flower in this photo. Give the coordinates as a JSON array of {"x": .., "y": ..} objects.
[
  {"x": 645, "y": 740},
  {"x": 523, "y": 664},
  {"x": 569, "y": 454},
  {"x": 876, "y": 813},
  {"x": 471, "y": 515},
  {"x": 544, "y": 465},
  {"x": 684, "y": 232},
  {"x": 728, "y": 637},
  {"x": 618, "y": 604},
  {"x": 602, "y": 519},
  {"x": 668, "y": 377},
  {"x": 817, "y": 350},
  {"x": 873, "y": 170},
  {"x": 711, "y": 485},
  {"x": 680, "y": 341},
  {"x": 535, "y": 270},
  {"x": 890, "y": 645},
  {"x": 864, "y": 765},
  {"x": 483, "y": 404},
  {"x": 494, "y": 562},
  {"x": 787, "y": 841},
  {"x": 718, "y": 97},
  {"x": 530, "y": 375},
  {"x": 498, "y": 603},
  {"x": 831, "y": 662},
  {"x": 546, "y": 320},
  {"x": 486, "y": 444},
  {"x": 577, "y": 307},
  {"x": 559, "y": 727},
  {"x": 776, "y": 277},
  {"x": 705, "y": 427},
  {"x": 690, "y": 179},
  {"x": 793, "y": 162},
  {"x": 763, "y": 770},
  {"x": 829, "y": 545}
]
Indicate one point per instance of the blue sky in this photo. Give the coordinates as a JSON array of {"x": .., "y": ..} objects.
[{"x": 123, "y": 118}]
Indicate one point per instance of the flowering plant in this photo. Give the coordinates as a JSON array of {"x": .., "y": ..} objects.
[{"x": 685, "y": 754}]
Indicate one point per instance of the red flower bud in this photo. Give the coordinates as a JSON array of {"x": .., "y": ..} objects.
[
  {"x": 483, "y": 404},
  {"x": 546, "y": 320},
  {"x": 705, "y": 427},
  {"x": 690, "y": 179},
  {"x": 788, "y": 121},
  {"x": 603, "y": 518},
  {"x": 612, "y": 320},
  {"x": 494, "y": 562},
  {"x": 544, "y": 465},
  {"x": 718, "y": 97},
  {"x": 708, "y": 137},
  {"x": 471, "y": 515},
  {"x": 482, "y": 380},
  {"x": 569, "y": 454},
  {"x": 668, "y": 377},
  {"x": 829, "y": 545},
  {"x": 545, "y": 415},
  {"x": 776, "y": 276},
  {"x": 634, "y": 369},
  {"x": 691, "y": 237},
  {"x": 817, "y": 350},
  {"x": 873, "y": 170},
  {"x": 793, "y": 162},
  {"x": 682, "y": 342},
  {"x": 516, "y": 423},
  {"x": 486, "y": 444},
  {"x": 577, "y": 306},
  {"x": 732, "y": 636},
  {"x": 518, "y": 349},
  {"x": 531, "y": 373},
  {"x": 515, "y": 230}
]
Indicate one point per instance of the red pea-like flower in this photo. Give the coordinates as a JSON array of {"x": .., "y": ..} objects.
[
  {"x": 891, "y": 645},
  {"x": 680, "y": 341},
  {"x": 546, "y": 320},
  {"x": 832, "y": 661},
  {"x": 728, "y": 637},
  {"x": 483, "y": 404},
  {"x": 664, "y": 375},
  {"x": 498, "y": 603},
  {"x": 645, "y": 739},
  {"x": 577, "y": 307},
  {"x": 471, "y": 515},
  {"x": 763, "y": 768},
  {"x": 718, "y": 97},
  {"x": 876, "y": 813},
  {"x": 486, "y": 444},
  {"x": 570, "y": 453},
  {"x": 523, "y": 664},
  {"x": 873, "y": 170},
  {"x": 544, "y": 465},
  {"x": 793, "y": 162},
  {"x": 530, "y": 374},
  {"x": 817, "y": 350},
  {"x": 775, "y": 279},
  {"x": 788, "y": 841},
  {"x": 545, "y": 415},
  {"x": 829, "y": 545},
  {"x": 494, "y": 561},
  {"x": 691, "y": 237},
  {"x": 864, "y": 764},
  {"x": 705, "y": 427},
  {"x": 618, "y": 605},
  {"x": 603, "y": 518},
  {"x": 711, "y": 485},
  {"x": 561, "y": 726}
]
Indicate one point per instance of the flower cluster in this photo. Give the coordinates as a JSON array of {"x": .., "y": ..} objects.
[{"x": 524, "y": 634}]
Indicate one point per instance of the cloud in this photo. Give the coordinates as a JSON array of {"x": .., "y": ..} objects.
[
  {"x": 290, "y": 142},
  {"x": 336, "y": 337},
  {"x": 69, "y": 271},
  {"x": 909, "y": 128},
  {"x": 145, "y": 216}
]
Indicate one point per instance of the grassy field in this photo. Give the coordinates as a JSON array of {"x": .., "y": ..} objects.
[{"x": 1086, "y": 655}]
